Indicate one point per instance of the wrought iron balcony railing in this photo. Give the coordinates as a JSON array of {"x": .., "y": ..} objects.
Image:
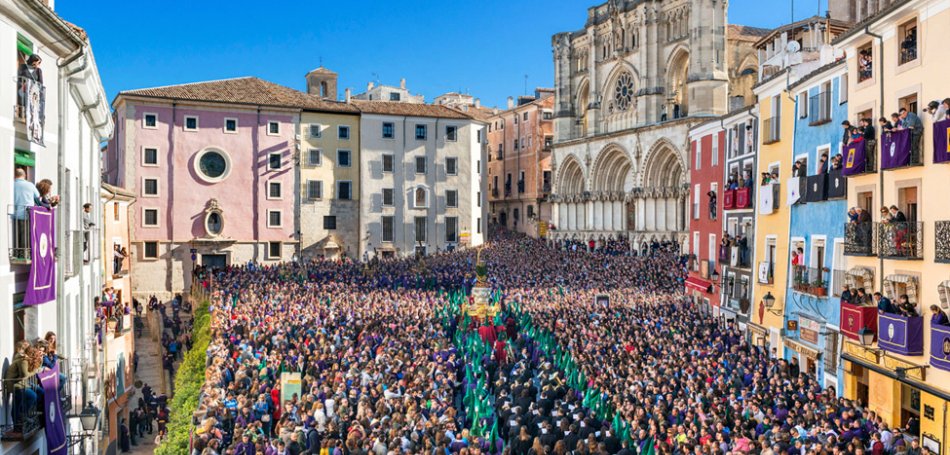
[
  {"x": 901, "y": 240},
  {"x": 942, "y": 242},
  {"x": 860, "y": 239},
  {"x": 810, "y": 280}
]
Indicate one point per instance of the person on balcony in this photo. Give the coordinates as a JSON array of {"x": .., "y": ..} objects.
[
  {"x": 17, "y": 380},
  {"x": 885, "y": 124},
  {"x": 712, "y": 204},
  {"x": 733, "y": 183},
  {"x": 846, "y": 296},
  {"x": 798, "y": 257},
  {"x": 798, "y": 169},
  {"x": 25, "y": 195},
  {"x": 938, "y": 317},
  {"x": 869, "y": 134},
  {"x": 938, "y": 110},
  {"x": 45, "y": 188},
  {"x": 846, "y": 132},
  {"x": 822, "y": 164},
  {"x": 912, "y": 122},
  {"x": 905, "y": 308},
  {"x": 884, "y": 304},
  {"x": 51, "y": 360}
]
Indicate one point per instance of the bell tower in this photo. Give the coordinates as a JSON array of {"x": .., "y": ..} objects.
[
  {"x": 708, "y": 76},
  {"x": 322, "y": 82}
]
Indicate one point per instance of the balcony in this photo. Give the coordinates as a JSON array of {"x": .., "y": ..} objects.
[
  {"x": 942, "y": 242},
  {"x": 19, "y": 241},
  {"x": 939, "y": 336},
  {"x": 25, "y": 412},
  {"x": 729, "y": 199},
  {"x": 899, "y": 150},
  {"x": 819, "y": 109},
  {"x": 859, "y": 239},
  {"x": 770, "y": 197},
  {"x": 810, "y": 280},
  {"x": 857, "y": 317},
  {"x": 900, "y": 335},
  {"x": 766, "y": 273},
  {"x": 860, "y": 158},
  {"x": 772, "y": 130},
  {"x": 900, "y": 240}
]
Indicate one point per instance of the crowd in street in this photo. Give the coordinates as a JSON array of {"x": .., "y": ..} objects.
[{"x": 592, "y": 354}]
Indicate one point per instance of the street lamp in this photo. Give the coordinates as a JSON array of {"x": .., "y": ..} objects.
[
  {"x": 769, "y": 300},
  {"x": 89, "y": 421},
  {"x": 866, "y": 336}
]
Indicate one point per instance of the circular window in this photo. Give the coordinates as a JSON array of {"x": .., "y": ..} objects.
[
  {"x": 623, "y": 92},
  {"x": 214, "y": 224},
  {"x": 212, "y": 165}
]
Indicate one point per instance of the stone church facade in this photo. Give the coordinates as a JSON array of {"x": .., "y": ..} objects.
[{"x": 628, "y": 88}]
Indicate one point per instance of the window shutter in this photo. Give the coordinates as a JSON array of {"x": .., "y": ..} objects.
[{"x": 889, "y": 289}]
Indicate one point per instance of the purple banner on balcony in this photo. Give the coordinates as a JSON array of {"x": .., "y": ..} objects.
[
  {"x": 854, "y": 158},
  {"x": 53, "y": 412},
  {"x": 41, "y": 286},
  {"x": 942, "y": 141},
  {"x": 895, "y": 149},
  {"x": 940, "y": 346},
  {"x": 900, "y": 335}
]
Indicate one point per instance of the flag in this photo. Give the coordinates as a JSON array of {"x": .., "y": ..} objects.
[
  {"x": 493, "y": 436},
  {"x": 41, "y": 285},
  {"x": 895, "y": 149},
  {"x": 941, "y": 141},
  {"x": 53, "y": 412}
]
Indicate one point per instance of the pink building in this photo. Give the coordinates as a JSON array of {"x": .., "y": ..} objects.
[{"x": 212, "y": 167}]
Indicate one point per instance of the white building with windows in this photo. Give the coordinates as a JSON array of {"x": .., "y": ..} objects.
[
  {"x": 381, "y": 92},
  {"x": 52, "y": 123},
  {"x": 422, "y": 181}
]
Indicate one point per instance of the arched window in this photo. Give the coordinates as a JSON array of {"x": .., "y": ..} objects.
[
  {"x": 420, "y": 198},
  {"x": 323, "y": 89},
  {"x": 623, "y": 92}
]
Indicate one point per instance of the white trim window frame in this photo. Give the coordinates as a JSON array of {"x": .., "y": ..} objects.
[
  {"x": 280, "y": 218},
  {"x": 270, "y": 130},
  {"x": 314, "y": 152},
  {"x": 339, "y": 132},
  {"x": 451, "y": 133},
  {"x": 339, "y": 184},
  {"x": 315, "y": 131},
  {"x": 145, "y": 254},
  {"x": 225, "y": 125},
  {"x": 145, "y": 192},
  {"x": 349, "y": 157},
  {"x": 280, "y": 190},
  {"x": 314, "y": 186},
  {"x": 455, "y": 165},
  {"x": 270, "y": 253},
  {"x": 184, "y": 123},
  {"x": 392, "y": 163},
  {"x": 453, "y": 202},
  {"x": 145, "y": 162},
  {"x": 145, "y": 116},
  {"x": 145, "y": 211},
  {"x": 270, "y": 162}
]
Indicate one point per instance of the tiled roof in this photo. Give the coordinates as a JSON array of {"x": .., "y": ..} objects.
[
  {"x": 745, "y": 32},
  {"x": 409, "y": 109},
  {"x": 243, "y": 90}
]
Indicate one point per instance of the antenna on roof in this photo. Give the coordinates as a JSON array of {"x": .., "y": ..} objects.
[
  {"x": 321, "y": 61},
  {"x": 793, "y": 12}
]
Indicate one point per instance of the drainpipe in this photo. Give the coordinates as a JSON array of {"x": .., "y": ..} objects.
[{"x": 880, "y": 173}]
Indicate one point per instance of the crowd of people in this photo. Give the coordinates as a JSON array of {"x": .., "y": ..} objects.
[{"x": 595, "y": 351}]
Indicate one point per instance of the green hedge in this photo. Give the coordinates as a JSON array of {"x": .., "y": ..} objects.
[{"x": 188, "y": 382}]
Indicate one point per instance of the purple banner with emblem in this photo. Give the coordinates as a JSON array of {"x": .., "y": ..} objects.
[
  {"x": 895, "y": 149},
  {"x": 41, "y": 286},
  {"x": 53, "y": 412},
  {"x": 940, "y": 346},
  {"x": 854, "y": 158},
  {"x": 942, "y": 141},
  {"x": 900, "y": 335}
]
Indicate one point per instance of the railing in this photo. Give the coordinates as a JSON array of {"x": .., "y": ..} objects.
[
  {"x": 839, "y": 280},
  {"x": 728, "y": 199},
  {"x": 23, "y": 87},
  {"x": 865, "y": 65},
  {"x": 810, "y": 280},
  {"x": 900, "y": 240},
  {"x": 819, "y": 109},
  {"x": 741, "y": 256},
  {"x": 942, "y": 242},
  {"x": 909, "y": 53},
  {"x": 859, "y": 239},
  {"x": 766, "y": 272},
  {"x": 870, "y": 158},
  {"x": 773, "y": 130},
  {"x": 25, "y": 415},
  {"x": 19, "y": 235}
]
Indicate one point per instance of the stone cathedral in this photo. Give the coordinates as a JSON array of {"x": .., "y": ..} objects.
[{"x": 628, "y": 88}]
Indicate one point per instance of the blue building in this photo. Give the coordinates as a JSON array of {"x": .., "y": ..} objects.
[{"x": 818, "y": 195}]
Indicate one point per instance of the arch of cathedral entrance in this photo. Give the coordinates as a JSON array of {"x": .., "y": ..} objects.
[{"x": 677, "y": 95}]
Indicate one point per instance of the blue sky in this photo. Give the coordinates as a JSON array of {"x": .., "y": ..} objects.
[{"x": 481, "y": 47}]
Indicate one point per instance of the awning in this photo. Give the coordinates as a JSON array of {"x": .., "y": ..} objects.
[
  {"x": 699, "y": 284},
  {"x": 331, "y": 245},
  {"x": 801, "y": 348}
]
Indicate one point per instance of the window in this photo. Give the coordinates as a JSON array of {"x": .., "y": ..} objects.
[
  {"x": 865, "y": 62},
  {"x": 315, "y": 130},
  {"x": 388, "y": 196},
  {"x": 343, "y": 158},
  {"x": 908, "y": 102},
  {"x": 451, "y": 198},
  {"x": 715, "y": 149},
  {"x": 314, "y": 189},
  {"x": 907, "y": 33},
  {"x": 420, "y": 223},
  {"x": 387, "y": 227},
  {"x": 273, "y": 161},
  {"x": 151, "y": 250},
  {"x": 150, "y": 187},
  {"x": 525, "y": 117},
  {"x": 478, "y": 135},
  {"x": 230, "y": 125},
  {"x": 387, "y": 163},
  {"x": 698, "y": 150},
  {"x": 478, "y": 199},
  {"x": 273, "y": 190},
  {"x": 696, "y": 191},
  {"x": 150, "y": 156},
  {"x": 803, "y": 105},
  {"x": 273, "y": 250},
  {"x": 344, "y": 190},
  {"x": 389, "y": 130},
  {"x": 314, "y": 157},
  {"x": 420, "y": 165},
  {"x": 150, "y": 121},
  {"x": 451, "y": 133},
  {"x": 273, "y": 128},
  {"x": 394, "y": 96},
  {"x": 329, "y": 222},
  {"x": 343, "y": 132},
  {"x": 274, "y": 218},
  {"x": 843, "y": 89},
  {"x": 547, "y": 115},
  {"x": 115, "y": 212},
  {"x": 478, "y": 226},
  {"x": 150, "y": 217},
  {"x": 214, "y": 223},
  {"x": 516, "y": 145},
  {"x": 420, "y": 198},
  {"x": 451, "y": 166},
  {"x": 420, "y": 132},
  {"x": 451, "y": 229},
  {"x": 548, "y": 142},
  {"x": 516, "y": 119},
  {"x": 191, "y": 123}
]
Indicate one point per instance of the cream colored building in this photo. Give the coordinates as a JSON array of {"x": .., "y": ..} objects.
[{"x": 906, "y": 41}]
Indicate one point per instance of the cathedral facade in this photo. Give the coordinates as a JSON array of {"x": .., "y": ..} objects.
[{"x": 628, "y": 88}]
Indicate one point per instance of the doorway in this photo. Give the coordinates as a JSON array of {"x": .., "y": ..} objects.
[{"x": 214, "y": 261}]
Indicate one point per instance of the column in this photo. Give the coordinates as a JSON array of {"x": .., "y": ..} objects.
[{"x": 598, "y": 218}]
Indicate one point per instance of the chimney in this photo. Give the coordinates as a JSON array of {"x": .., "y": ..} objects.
[
  {"x": 478, "y": 103},
  {"x": 346, "y": 96},
  {"x": 369, "y": 86},
  {"x": 511, "y": 102},
  {"x": 402, "y": 83}
]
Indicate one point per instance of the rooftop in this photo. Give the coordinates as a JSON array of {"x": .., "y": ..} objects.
[{"x": 409, "y": 109}]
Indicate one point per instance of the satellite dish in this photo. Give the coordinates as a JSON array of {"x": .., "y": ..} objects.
[{"x": 793, "y": 47}]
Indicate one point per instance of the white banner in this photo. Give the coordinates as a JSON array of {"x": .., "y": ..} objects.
[
  {"x": 794, "y": 185},
  {"x": 765, "y": 200}
]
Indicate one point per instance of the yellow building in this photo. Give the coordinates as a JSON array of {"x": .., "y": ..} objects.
[
  {"x": 329, "y": 172},
  {"x": 897, "y": 59}
]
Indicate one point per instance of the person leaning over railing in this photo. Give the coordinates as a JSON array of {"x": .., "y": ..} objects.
[
  {"x": 17, "y": 381},
  {"x": 938, "y": 317},
  {"x": 905, "y": 308}
]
